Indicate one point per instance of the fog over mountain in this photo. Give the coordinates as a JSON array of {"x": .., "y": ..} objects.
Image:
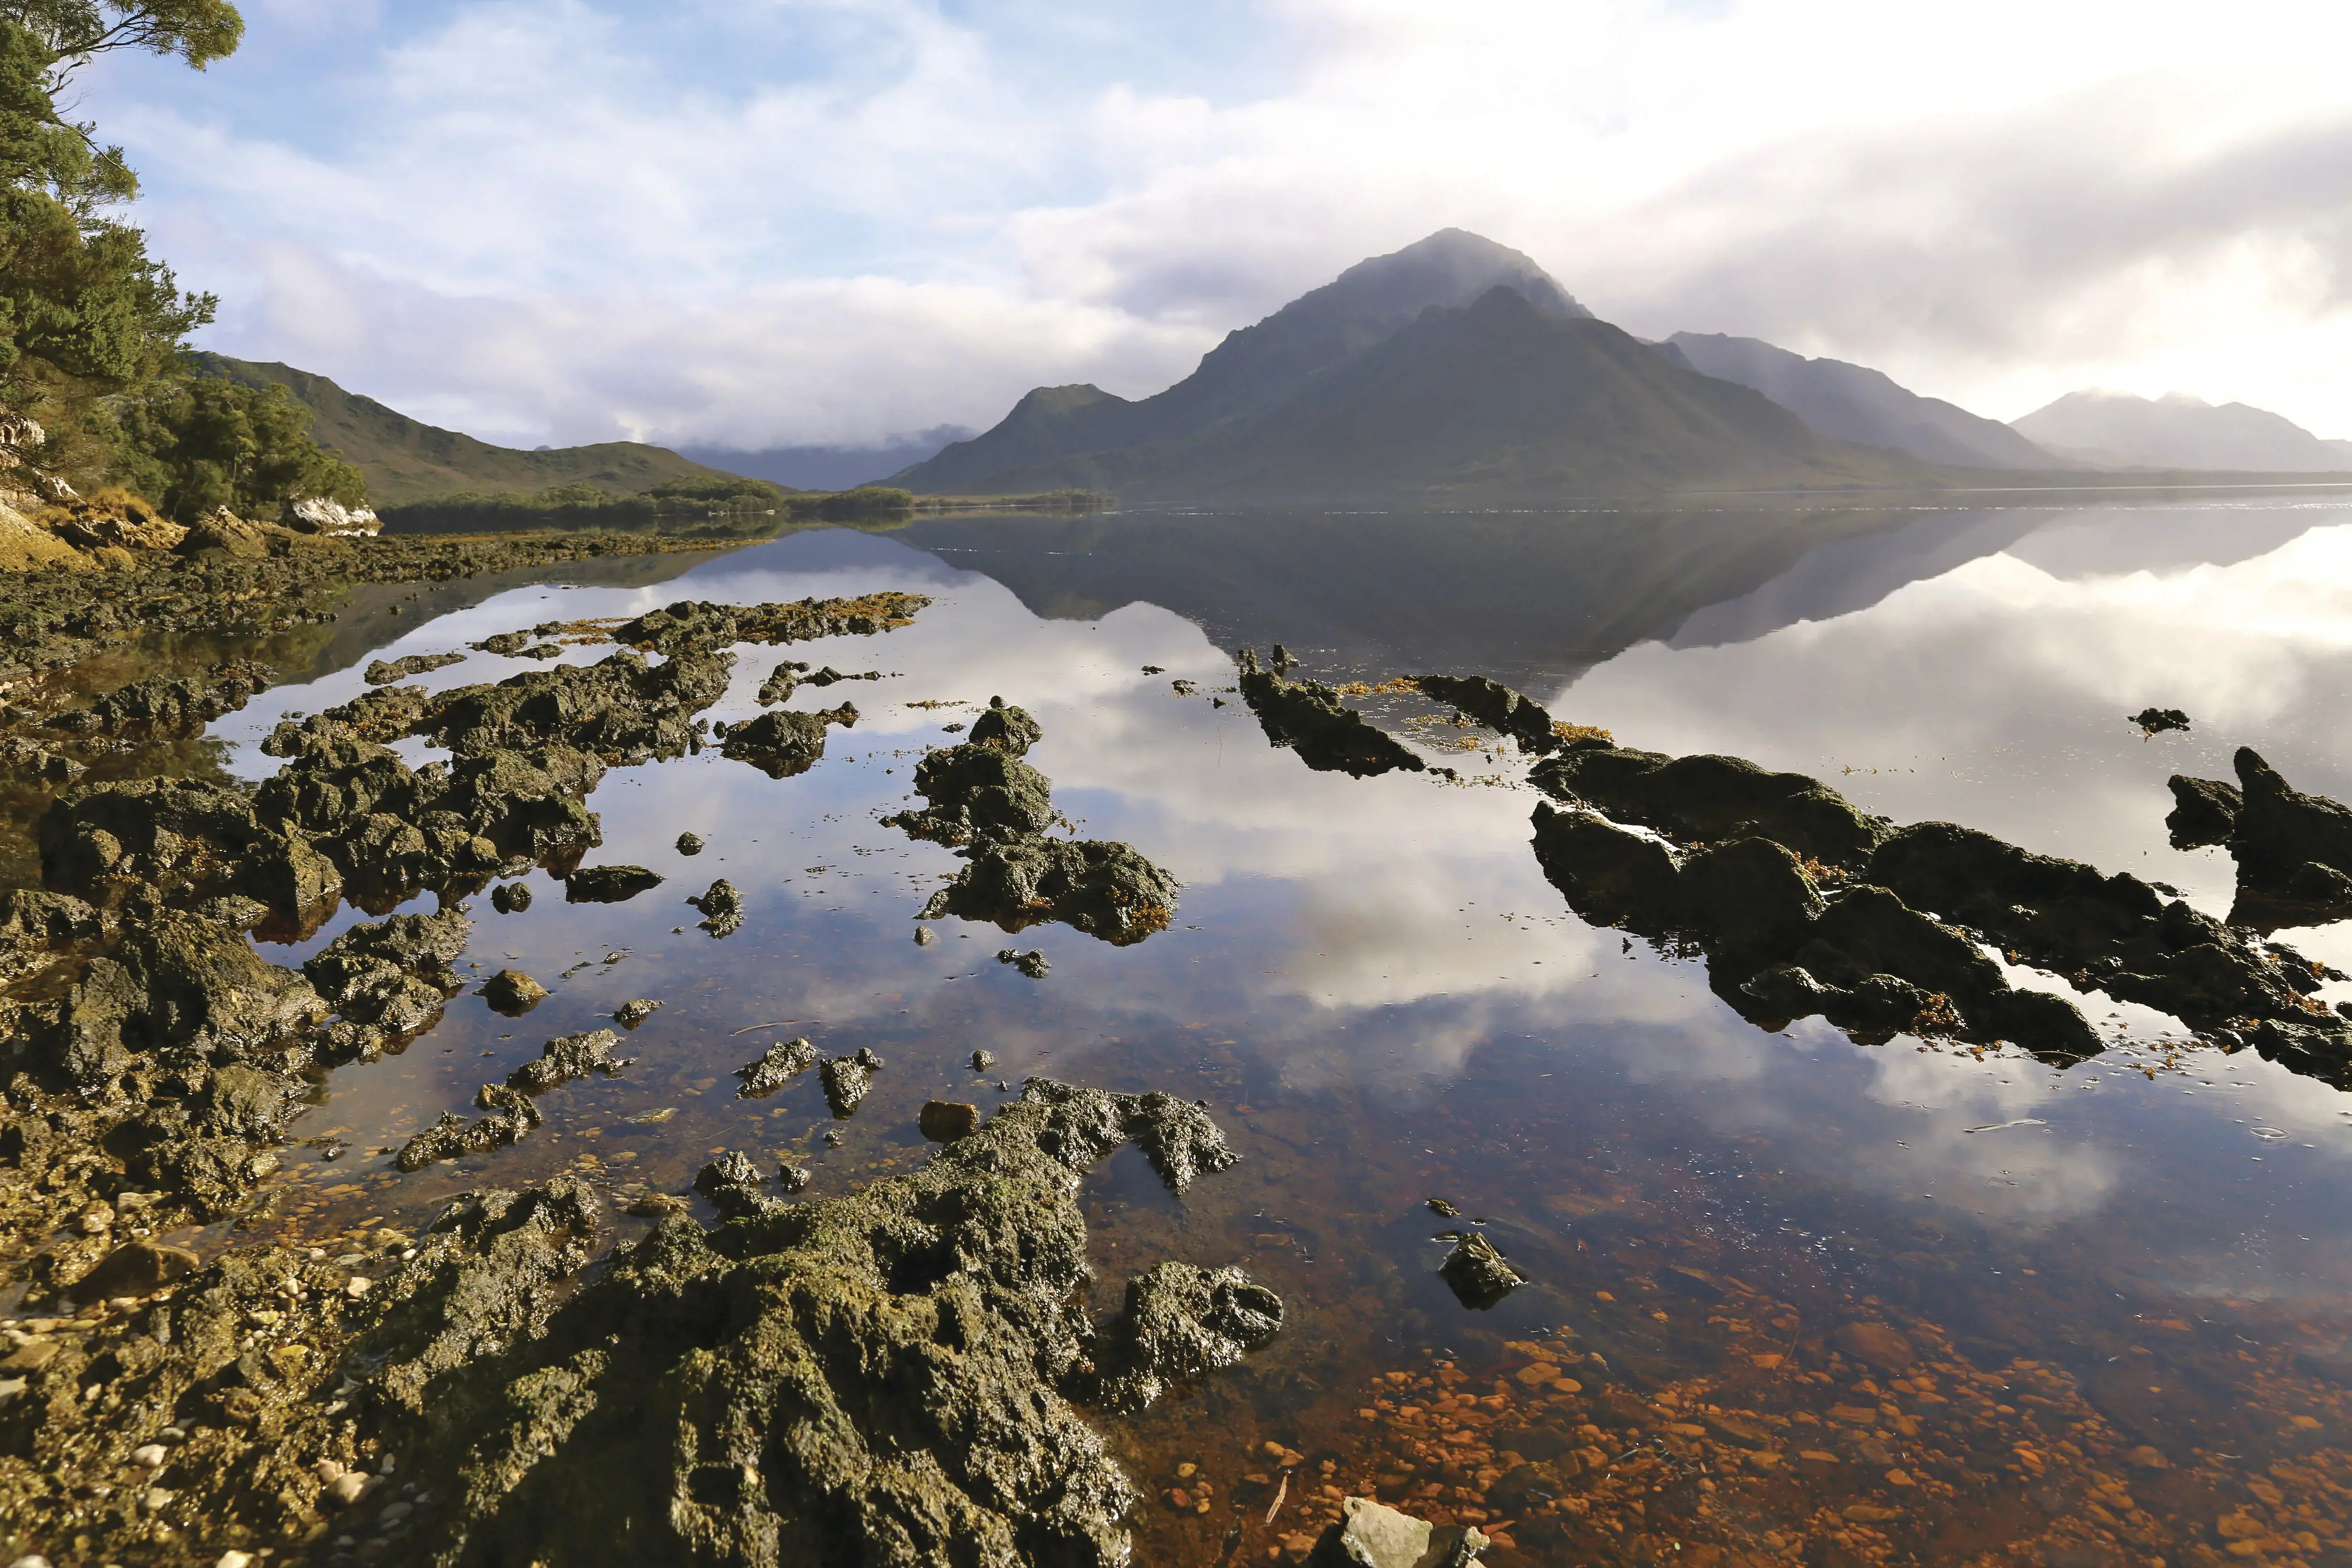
[
  {"x": 829, "y": 467},
  {"x": 2118, "y": 430},
  {"x": 1853, "y": 402}
]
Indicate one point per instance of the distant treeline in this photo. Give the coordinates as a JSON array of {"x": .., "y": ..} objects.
[{"x": 711, "y": 507}]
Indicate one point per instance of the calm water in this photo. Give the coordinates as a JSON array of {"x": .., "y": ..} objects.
[{"x": 2120, "y": 1288}]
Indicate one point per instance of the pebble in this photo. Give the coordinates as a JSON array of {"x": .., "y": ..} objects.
[
  {"x": 358, "y": 1285},
  {"x": 349, "y": 1488},
  {"x": 925, "y": 935},
  {"x": 981, "y": 1061},
  {"x": 690, "y": 843},
  {"x": 150, "y": 1456},
  {"x": 234, "y": 1560},
  {"x": 34, "y": 1559}
]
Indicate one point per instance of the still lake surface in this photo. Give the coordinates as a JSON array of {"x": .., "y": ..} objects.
[{"x": 1790, "y": 1296}]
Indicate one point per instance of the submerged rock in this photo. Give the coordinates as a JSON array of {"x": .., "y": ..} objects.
[
  {"x": 945, "y": 1121},
  {"x": 731, "y": 1183},
  {"x": 1308, "y": 717},
  {"x": 1496, "y": 707},
  {"x": 1479, "y": 1275},
  {"x": 1182, "y": 1322},
  {"x": 608, "y": 883},
  {"x": 1372, "y": 1534},
  {"x": 169, "y": 704},
  {"x": 778, "y": 1065},
  {"x": 389, "y": 979}
]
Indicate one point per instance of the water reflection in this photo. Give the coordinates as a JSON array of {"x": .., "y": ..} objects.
[{"x": 1375, "y": 989}]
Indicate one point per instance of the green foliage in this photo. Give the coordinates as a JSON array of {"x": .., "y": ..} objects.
[
  {"x": 726, "y": 505},
  {"x": 196, "y": 445},
  {"x": 85, "y": 311},
  {"x": 864, "y": 502}
]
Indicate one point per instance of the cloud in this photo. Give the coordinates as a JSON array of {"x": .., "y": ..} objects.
[{"x": 832, "y": 220}]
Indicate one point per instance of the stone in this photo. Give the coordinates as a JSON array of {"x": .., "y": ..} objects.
[
  {"x": 1875, "y": 1346},
  {"x": 1308, "y": 717},
  {"x": 608, "y": 883},
  {"x": 1101, "y": 887},
  {"x": 1007, "y": 729},
  {"x": 384, "y": 672},
  {"x": 690, "y": 843},
  {"x": 319, "y": 514},
  {"x": 925, "y": 935},
  {"x": 631, "y": 1013},
  {"x": 1369, "y": 1534},
  {"x": 2157, "y": 720},
  {"x": 784, "y": 742},
  {"x": 510, "y": 897},
  {"x": 512, "y": 992},
  {"x": 1479, "y": 1274},
  {"x": 1181, "y": 1322},
  {"x": 568, "y": 1057},
  {"x": 977, "y": 793},
  {"x": 1032, "y": 963},
  {"x": 778, "y": 1065},
  {"x": 721, "y": 907},
  {"x": 945, "y": 1121},
  {"x": 150, "y": 1456},
  {"x": 1496, "y": 707},
  {"x": 982, "y": 1060},
  {"x": 846, "y": 1080}
]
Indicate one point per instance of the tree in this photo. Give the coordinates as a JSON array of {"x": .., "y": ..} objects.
[
  {"x": 193, "y": 445},
  {"x": 85, "y": 312}
]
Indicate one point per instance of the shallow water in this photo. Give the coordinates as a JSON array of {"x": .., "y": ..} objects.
[{"x": 2124, "y": 1283}]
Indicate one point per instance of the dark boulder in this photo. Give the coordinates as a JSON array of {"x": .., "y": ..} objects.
[
  {"x": 785, "y": 742},
  {"x": 1182, "y": 1322},
  {"x": 1496, "y": 707},
  {"x": 1008, "y": 729},
  {"x": 1103, "y": 888},
  {"x": 1308, "y": 717},
  {"x": 1705, "y": 800},
  {"x": 977, "y": 792},
  {"x": 608, "y": 883}
]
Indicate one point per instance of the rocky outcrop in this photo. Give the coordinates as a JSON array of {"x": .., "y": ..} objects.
[
  {"x": 1009, "y": 730},
  {"x": 2294, "y": 851},
  {"x": 388, "y": 980},
  {"x": 777, "y": 1066},
  {"x": 995, "y": 808},
  {"x": 1496, "y": 707},
  {"x": 782, "y": 743},
  {"x": 384, "y": 672},
  {"x": 318, "y": 515},
  {"x": 692, "y": 626},
  {"x": 1182, "y": 1323},
  {"x": 1308, "y": 718},
  {"x": 168, "y": 705},
  {"x": 1803, "y": 904},
  {"x": 885, "y": 1377}
]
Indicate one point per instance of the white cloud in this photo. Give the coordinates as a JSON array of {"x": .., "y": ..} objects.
[{"x": 831, "y": 221}]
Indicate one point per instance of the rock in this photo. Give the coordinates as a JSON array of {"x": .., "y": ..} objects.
[
  {"x": 1104, "y": 888},
  {"x": 630, "y": 1014},
  {"x": 608, "y": 883},
  {"x": 1442, "y": 1209},
  {"x": 1181, "y": 1322},
  {"x": 778, "y": 1065},
  {"x": 1705, "y": 800},
  {"x": 731, "y": 1183},
  {"x": 2204, "y": 812},
  {"x": 318, "y": 515},
  {"x": 113, "y": 518},
  {"x": 225, "y": 531},
  {"x": 2279, "y": 831},
  {"x": 783, "y": 743},
  {"x": 690, "y": 843},
  {"x": 568, "y": 1057},
  {"x": 792, "y": 1178},
  {"x": 1496, "y": 707},
  {"x": 945, "y": 1121},
  {"x": 137, "y": 1267},
  {"x": 2157, "y": 721},
  {"x": 506, "y": 644},
  {"x": 1032, "y": 963},
  {"x": 513, "y": 1114},
  {"x": 27, "y": 759},
  {"x": 977, "y": 793},
  {"x": 1007, "y": 729},
  {"x": 510, "y": 897},
  {"x": 1369, "y": 1534},
  {"x": 27, "y": 547},
  {"x": 846, "y": 1080},
  {"x": 1478, "y": 1273},
  {"x": 690, "y": 626},
  {"x": 781, "y": 681},
  {"x": 512, "y": 992},
  {"x": 383, "y": 673},
  {"x": 982, "y": 1061},
  {"x": 721, "y": 907},
  {"x": 1875, "y": 1346},
  {"x": 925, "y": 935},
  {"x": 1308, "y": 717},
  {"x": 166, "y": 704},
  {"x": 656, "y": 1205},
  {"x": 391, "y": 976}
]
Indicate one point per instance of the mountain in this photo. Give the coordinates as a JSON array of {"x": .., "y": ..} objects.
[
  {"x": 408, "y": 460},
  {"x": 830, "y": 467},
  {"x": 1508, "y": 399},
  {"x": 2118, "y": 430},
  {"x": 1853, "y": 403},
  {"x": 1253, "y": 370}
]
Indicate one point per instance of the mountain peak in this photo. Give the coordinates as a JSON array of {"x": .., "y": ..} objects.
[{"x": 1450, "y": 267}]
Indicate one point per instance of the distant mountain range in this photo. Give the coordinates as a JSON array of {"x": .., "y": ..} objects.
[
  {"x": 1851, "y": 402},
  {"x": 1453, "y": 371},
  {"x": 408, "y": 460},
  {"x": 2117, "y": 430}
]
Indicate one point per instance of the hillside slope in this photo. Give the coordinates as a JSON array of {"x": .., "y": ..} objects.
[
  {"x": 408, "y": 460},
  {"x": 1497, "y": 401},
  {"x": 1868, "y": 407},
  {"x": 1255, "y": 368},
  {"x": 2118, "y": 430}
]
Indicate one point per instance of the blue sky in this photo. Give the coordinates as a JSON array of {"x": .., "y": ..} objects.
[{"x": 778, "y": 222}]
